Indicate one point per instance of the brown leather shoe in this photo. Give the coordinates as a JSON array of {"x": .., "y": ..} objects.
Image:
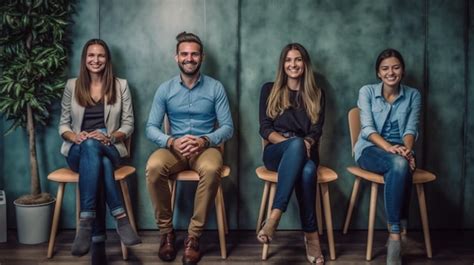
[
  {"x": 167, "y": 250},
  {"x": 191, "y": 251}
]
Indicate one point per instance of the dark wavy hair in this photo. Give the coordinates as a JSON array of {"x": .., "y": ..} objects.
[
  {"x": 188, "y": 37},
  {"x": 387, "y": 53}
]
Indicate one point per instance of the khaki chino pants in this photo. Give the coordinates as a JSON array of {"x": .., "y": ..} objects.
[{"x": 162, "y": 164}]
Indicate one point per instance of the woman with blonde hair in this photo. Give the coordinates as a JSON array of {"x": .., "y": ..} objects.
[
  {"x": 291, "y": 122},
  {"x": 96, "y": 118}
]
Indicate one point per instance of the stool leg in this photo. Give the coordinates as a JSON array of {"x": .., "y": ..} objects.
[
  {"x": 263, "y": 203},
  {"x": 226, "y": 227},
  {"x": 372, "y": 211},
  {"x": 269, "y": 210},
  {"x": 124, "y": 251},
  {"x": 220, "y": 222},
  {"x": 172, "y": 184},
  {"x": 424, "y": 219},
  {"x": 129, "y": 209},
  {"x": 57, "y": 213},
  {"x": 328, "y": 216},
  {"x": 78, "y": 207},
  {"x": 355, "y": 191},
  {"x": 319, "y": 217}
]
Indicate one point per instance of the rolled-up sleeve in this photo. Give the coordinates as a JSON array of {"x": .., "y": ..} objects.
[
  {"x": 127, "y": 119},
  {"x": 155, "y": 119},
  {"x": 413, "y": 118},
  {"x": 65, "y": 119},
  {"x": 367, "y": 122},
  {"x": 224, "y": 118}
]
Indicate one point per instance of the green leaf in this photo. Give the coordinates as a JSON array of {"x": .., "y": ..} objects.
[{"x": 37, "y": 4}]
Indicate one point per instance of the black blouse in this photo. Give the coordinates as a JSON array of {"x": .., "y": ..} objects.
[
  {"x": 293, "y": 121},
  {"x": 93, "y": 117}
]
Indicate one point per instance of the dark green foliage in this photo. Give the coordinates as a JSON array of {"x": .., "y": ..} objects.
[{"x": 33, "y": 57}]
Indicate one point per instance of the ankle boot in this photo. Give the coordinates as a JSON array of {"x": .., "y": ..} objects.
[
  {"x": 127, "y": 235},
  {"x": 82, "y": 240},
  {"x": 393, "y": 252}
]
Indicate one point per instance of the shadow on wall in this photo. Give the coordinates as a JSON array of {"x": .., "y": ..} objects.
[{"x": 2, "y": 152}]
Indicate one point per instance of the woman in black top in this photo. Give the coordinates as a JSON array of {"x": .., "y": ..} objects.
[{"x": 291, "y": 121}]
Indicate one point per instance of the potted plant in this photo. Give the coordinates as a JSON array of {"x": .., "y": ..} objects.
[{"x": 33, "y": 58}]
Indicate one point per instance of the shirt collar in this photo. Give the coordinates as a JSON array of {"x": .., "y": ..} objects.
[
  {"x": 198, "y": 82},
  {"x": 378, "y": 91}
]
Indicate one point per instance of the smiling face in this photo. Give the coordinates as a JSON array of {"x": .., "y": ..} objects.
[
  {"x": 96, "y": 59},
  {"x": 294, "y": 65},
  {"x": 189, "y": 58},
  {"x": 391, "y": 71}
]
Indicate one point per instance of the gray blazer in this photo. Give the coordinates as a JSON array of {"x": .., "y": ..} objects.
[{"x": 118, "y": 117}]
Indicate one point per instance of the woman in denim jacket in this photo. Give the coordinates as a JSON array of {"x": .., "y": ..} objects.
[{"x": 389, "y": 114}]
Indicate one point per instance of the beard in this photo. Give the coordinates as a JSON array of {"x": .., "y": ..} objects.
[{"x": 189, "y": 72}]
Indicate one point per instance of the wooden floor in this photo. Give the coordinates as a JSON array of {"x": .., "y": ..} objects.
[{"x": 449, "y": 248}]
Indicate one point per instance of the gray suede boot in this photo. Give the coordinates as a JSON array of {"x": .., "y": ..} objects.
[{"x": 394, "y": 256}]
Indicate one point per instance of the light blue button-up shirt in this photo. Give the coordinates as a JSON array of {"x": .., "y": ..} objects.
[
  {"x": 194, "y": 111},
  {"x": 374, "y": 110}
]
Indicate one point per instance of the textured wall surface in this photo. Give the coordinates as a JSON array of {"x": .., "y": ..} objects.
[
  {"x": 468, "y": 196},
  {"x": 243, "y": 40},
  {"x": 445, "y": 109}
]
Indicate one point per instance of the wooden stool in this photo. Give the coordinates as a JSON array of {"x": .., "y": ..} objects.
[
  {"x": 191, "y": 175},
  {"x": 66, "y": 175},
  {"x": 419, "y": 178},
  {"x": 324, "y": 176}
]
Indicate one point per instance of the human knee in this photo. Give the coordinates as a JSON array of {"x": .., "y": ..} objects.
[
  {"x": 309, "y": 171},
  {"x": 400, "y": 165},
  {"x": 90, "y": 145},
  {"x": 155, "y": 167},
  {"x": 296, "y": 146},
  {"x": 210, "y": 172}
]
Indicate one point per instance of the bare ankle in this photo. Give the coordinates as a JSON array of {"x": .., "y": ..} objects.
[
  {"x": 394, "y": 236},
  {"x": 276, "y": 214},
  {"x": 311, "y": 235}
]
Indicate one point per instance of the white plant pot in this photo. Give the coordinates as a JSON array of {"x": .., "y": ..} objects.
[{"x": 33, "y": 222}]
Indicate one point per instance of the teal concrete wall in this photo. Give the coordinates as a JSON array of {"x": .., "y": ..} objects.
[
  {"x": 468, "y": 217},
  {"x": 242, "y": 42}
]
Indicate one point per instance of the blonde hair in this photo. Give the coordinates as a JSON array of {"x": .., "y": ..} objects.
[
  {"x": 83, "y": 82},
  {"x": 279, "y": 100}
]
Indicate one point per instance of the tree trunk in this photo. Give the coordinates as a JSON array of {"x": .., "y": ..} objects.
[{"x": 30, "y": 126}]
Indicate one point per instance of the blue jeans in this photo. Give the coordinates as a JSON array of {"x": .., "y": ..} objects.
[
  {"x": 295, "y": 171},
  {"x": 95, "y": 163},
  {"x": 398, "y": 181}
]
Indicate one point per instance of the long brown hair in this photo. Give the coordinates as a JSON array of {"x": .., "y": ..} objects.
[
  {"x": 83, "y": 82},
  {"x": 279, "y": 101}
]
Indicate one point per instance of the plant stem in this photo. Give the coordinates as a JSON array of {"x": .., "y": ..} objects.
[{"x": 30, "y": 126}]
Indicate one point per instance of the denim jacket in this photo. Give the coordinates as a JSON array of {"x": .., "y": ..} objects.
[{"x": 374, "y": 112}]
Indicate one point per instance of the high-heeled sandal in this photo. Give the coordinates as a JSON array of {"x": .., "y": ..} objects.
[
  {"x": 265, "y": 235},
  {"x": 313, "y": 251}
]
